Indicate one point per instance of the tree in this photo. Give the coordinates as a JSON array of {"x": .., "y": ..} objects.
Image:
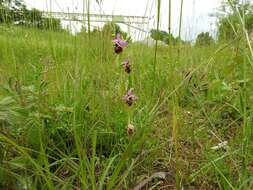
[
  {"x": 4, "y": 2},
  {"x": 111, "y": 28},
  {"x": 229, "y": 23},
  {"x": 164, "y": 37},
  {"x": 16, "y": 12},
  {"x": 204, "y": 39}
]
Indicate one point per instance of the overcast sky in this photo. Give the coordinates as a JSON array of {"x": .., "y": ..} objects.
[{"x": 196, "y": 13}]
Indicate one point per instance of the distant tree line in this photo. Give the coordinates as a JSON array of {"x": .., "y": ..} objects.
[
  {"x": 229, "y": 24},
  {"x": 113, "y": 28},
  {"x": 203, "y": 39},
  {"x": 16, "y": 12},
  {"x": 165, "y": 37},
  {"x": 228, "y": 27},
  {"x": 110, "y": 29}
]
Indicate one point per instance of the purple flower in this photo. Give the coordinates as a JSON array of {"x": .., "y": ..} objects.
[
  {"x": 130, "y": 98},
  {"x": 119, "y": 44},
  {"x": 127, "y": 66}
]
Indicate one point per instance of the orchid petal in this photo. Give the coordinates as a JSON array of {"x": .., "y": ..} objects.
[{"x": 122, "y": 43}]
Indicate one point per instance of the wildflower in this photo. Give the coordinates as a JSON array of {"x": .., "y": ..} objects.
[
  {"x": 119, "y": 44},
  {"x": 130, "y": 98},
  {"x": 126, "y": 66},
  {"x": 130, "y": 129}
]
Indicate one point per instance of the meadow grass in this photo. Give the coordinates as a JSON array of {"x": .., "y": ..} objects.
[{"x": 64, "y": 124}]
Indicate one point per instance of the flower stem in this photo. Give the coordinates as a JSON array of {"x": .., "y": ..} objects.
[{"x": 157, "y": 28}]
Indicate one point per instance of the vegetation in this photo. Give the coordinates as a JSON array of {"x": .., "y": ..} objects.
[
  {"x": 65, "y": 122},
  {"x": 164, "y": 37},
  {"x": 109, "y": 30},
  {"x": 16, "y": 12},
  {"x": 204, "y": 39},
  {"x": 229, "y": 27}
]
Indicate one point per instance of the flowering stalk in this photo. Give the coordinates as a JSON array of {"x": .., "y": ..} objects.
[
  {"x": 128, "y": 69},
  {"x": 129, "y": 98},
  {"x": 119, "y": 44}
]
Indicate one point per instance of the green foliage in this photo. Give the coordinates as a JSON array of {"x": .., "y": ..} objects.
[
  {"x": 64, "y": 125},
  {"x": 109, "y": 30},
  {"x": 113, "y": 29},
  {"x": 159, "y": 35},
  {"x": 204, "y": 39},
  {"x": 15, "y": 12},
  {"x": 164, "y": 37},
  {"x": 229, "y": 26}
]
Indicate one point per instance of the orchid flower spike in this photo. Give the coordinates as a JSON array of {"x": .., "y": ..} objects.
[
  {"x": 119, "y": 44},
  {"x": 127, "y": 66},
  {"x": 130, "y": 98}
]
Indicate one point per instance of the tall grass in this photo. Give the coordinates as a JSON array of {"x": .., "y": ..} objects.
[
  {"x": 170, "y": 11},
  {"x": 180, "y": 19},
  {"x": 63, "y": 122},
  {"x": 156, "y": 43}
]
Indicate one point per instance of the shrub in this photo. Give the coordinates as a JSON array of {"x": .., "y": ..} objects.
[{"x": 204, "y": 39}]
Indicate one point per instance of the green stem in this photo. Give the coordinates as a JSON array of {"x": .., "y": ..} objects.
[
  {"x": 180, "y": 27},
  {"x": 169, "y": 27},
  {"x": 157, "y": 28},
  {"x": 180, "y": 22},
  {"x": 88, "y": 12}
]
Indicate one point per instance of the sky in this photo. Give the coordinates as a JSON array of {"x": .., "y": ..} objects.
[{"x": 196, "y": 13}]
